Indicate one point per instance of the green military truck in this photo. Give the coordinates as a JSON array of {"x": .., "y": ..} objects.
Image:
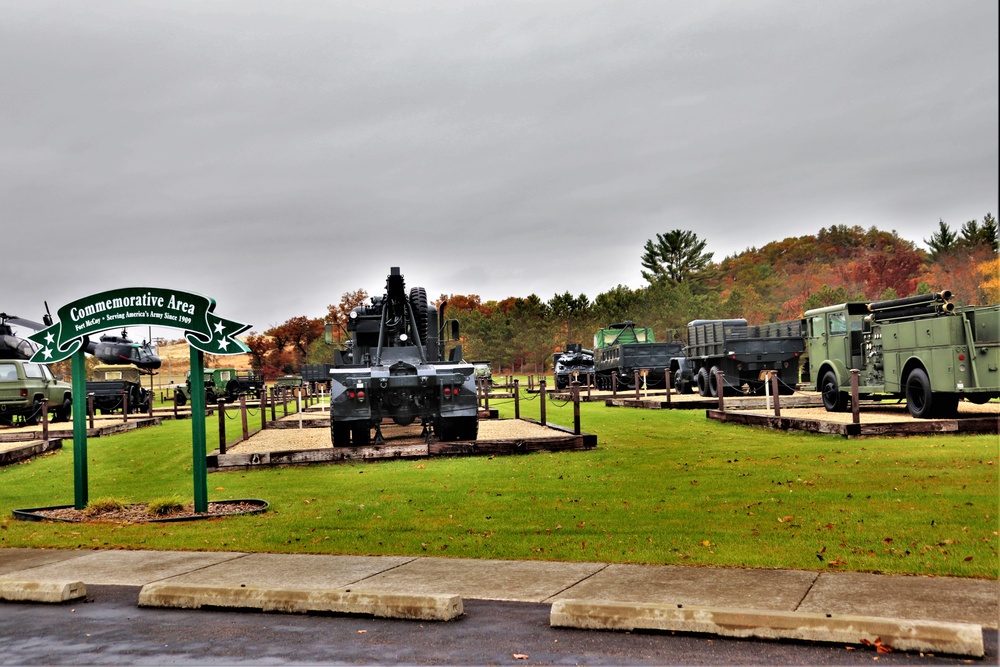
[
  {"x": 921, "y": 348},
  {"x": 110, "y": 384},
  {"x": 227, "y": 384},
  {"x": 23, "y": 386}
]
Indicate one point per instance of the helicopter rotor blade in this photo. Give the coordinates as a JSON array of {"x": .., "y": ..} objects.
[{"x": 25, "y": 323}]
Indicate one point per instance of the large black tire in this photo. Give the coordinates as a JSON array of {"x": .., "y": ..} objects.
[
  {"x": 341, "y": 433},
  {"x": 919, "y": 400},
  {"x": 713, "y": 382},
  {"x": 65, "y": 410},
  {"x": 450, "y": 429},
  {"x": 418, "y": 303},
  {"x": 180, "y": 398},
  {"x": 834, "y": 400},
  {"x": 703, "y": 386},
  {"x": 36, "y": 414},
  {"x": 361, "y": 434}
]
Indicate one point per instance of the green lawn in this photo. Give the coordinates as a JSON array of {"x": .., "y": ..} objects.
[{"x": 662, "y": 487}]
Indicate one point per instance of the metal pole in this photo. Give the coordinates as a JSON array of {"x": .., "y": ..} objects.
[
  {"x": 80, "y": 482},
  {"x": 636, "y": 376},
  {"x": 298, "y": 406},
  {"x": 199, "y": 466},
  {"x": 774, "y": 387},
  {"x": 666, "y": 383},
  {"x": 541, "y": 394},
  {"x": 517, "y": 401},
  {"x": 855, "y": 408},
  {"x": 614, "y": 383}
]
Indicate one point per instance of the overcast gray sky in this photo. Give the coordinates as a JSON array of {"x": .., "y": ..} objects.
[{"x": 273, "y": 155}]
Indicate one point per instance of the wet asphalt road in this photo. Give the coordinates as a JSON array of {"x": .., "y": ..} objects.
[{"x": 110, "y": 629}]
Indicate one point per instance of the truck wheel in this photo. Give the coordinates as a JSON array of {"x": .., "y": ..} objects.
[
  {"x": 713, "y": 382},
  {"x": 36, "y": 413},
  {"x": 361, "y": 434},
  {"x": 919, "y": 400},
  {"x": 180, "y": 398},
  {"x": 65, "y": 410},
  {"x": 341, "y": 432},
  {"x": 451, "y": 429},
  {"x": 833, "y": 399},
  {"x": 703, "y": 387}
]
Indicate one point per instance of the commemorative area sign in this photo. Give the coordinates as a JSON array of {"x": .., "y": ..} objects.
[{"x": 134, "y": 306}]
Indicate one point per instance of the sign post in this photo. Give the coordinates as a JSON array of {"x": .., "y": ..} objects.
[{"x": 68, "y": 336}]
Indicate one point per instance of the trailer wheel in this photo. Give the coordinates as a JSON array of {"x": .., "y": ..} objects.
[
  {"x": 341, "y": 432},
  {"x": 833, "y": 399}
]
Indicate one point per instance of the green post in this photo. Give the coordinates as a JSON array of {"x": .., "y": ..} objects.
[
  {"x": 79, "y": 369},
  {"x": 199, "y": 467}
]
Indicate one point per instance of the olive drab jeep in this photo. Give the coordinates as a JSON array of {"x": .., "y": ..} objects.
[{"x": 23, "y": 386}]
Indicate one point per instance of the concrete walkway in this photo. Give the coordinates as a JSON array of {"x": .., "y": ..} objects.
[{"x": 942, "y": 599}]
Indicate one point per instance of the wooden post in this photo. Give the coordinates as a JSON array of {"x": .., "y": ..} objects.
[
  {"x": 222, "y": 426},
  {"x": 589, "y": 383},
  {"x": 576, "y": 408},
  {"x": 486, "y": 395},
  {"x": 298, "y": 405},
  {"x": 541, "y": 396},
  {"x": 637, "y": 397},
  {"x": 175, "y": 405},
  {"x": 284, "y": 402},
  {"x": 614, "y": 384},
  {"x": 243, "y": 413},
  {"x": 90, "y": 409},
  {"x": 273, "y": 417},
  {"x": 125, "y": 407},
  {"x": 720, "y": 390},
  {"x": 45, "y": 419},
  {"x": 666, "y": 383},
  {"x": 152, "y": 395},
  {"x": 855, "y": 408},
  {"x": 263, "y": 409},
  {"x": 517, "y": 401},
  {"x": 774, "y": 390}
]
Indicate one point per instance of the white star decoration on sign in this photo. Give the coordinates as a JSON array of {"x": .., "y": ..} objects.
[
  {"x": 47, "y": 352},
  {"x": 49, "y": 339},
  {"x": 219, "y": 328},
  {"x": 224, "y": 344}
]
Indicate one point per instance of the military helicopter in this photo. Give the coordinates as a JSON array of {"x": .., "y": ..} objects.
[
  {"x": 15, "y": 347},
  {"x": 121, "y": 350}
]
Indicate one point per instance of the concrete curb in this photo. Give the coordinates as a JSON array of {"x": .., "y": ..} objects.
[
  {"x": 901, "y": 635},
  {"x": 19, "y": 590},
  {"x": 299, "y": 601}
]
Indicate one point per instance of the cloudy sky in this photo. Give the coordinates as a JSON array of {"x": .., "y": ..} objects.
[{"x": 273, "y": 155}]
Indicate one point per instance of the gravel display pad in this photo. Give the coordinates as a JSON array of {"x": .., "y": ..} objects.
[{"x": 277, "y": 440}]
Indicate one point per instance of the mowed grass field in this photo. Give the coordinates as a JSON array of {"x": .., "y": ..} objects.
[{"x": 664, "y": 487}]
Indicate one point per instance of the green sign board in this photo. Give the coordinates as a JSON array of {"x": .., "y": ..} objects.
[
  {"x": 205, "y": 331},
  {"x": 133, "y": 306}
]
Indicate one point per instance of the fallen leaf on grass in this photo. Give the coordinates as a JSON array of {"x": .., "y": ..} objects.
[
  {"x": 968, "y": 558},
  {"x": 520, "y": 656},
  {"x": 786, "y": 519}
]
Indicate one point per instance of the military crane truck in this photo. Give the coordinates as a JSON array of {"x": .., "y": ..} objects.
[
  {"x": 744, "y": 353},
  {"x": 921, "y": 348},
  {"x": 394, "y": 368}
]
